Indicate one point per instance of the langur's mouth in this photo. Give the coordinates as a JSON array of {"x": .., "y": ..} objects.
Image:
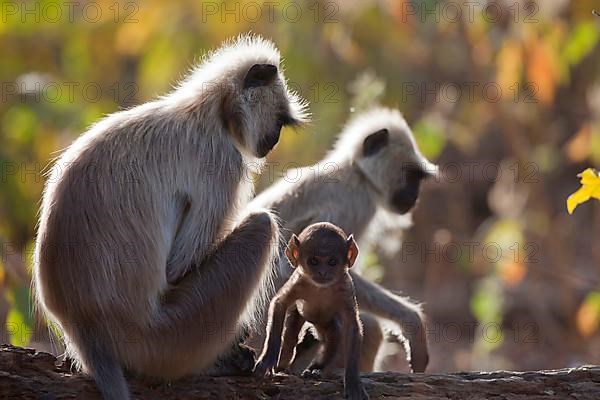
[
  {"x": 266, "y": 144},
  {"x": 323, "y": 282},
  {"x": 404, "y": 200}
]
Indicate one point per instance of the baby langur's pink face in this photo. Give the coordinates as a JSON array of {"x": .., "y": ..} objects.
[{"x": 323, "y": 253}]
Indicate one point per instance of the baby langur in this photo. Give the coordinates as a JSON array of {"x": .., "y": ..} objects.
[{"x": 320, "y": 291}]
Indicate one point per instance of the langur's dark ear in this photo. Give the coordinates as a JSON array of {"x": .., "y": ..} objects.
[
  {"x": 375, "y": 142},
  {"x": 292, "y": 251},
  {"x": 260, "y": 75},
  {"x": 352, "y": 250}
]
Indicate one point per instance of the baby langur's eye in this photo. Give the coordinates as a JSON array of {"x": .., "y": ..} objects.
[
  {"x": 313, "y": 261},
  {"x": 332, "y": 262}
]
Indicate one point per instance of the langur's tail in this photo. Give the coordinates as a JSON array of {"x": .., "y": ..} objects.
[{"x": 104, "y": 369}]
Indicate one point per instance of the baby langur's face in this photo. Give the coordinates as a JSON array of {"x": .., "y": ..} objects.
[{"x": 323, "y": 253}]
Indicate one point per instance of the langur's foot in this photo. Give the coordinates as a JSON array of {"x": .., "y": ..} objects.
[
  {"x": 240, "y": 361},
  {"x": 314, "y": 373}
]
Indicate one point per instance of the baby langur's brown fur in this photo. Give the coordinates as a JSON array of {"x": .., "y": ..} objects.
[{"x": 320, "y": 291}]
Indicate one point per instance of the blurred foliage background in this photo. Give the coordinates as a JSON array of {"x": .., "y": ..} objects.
[{"x": 504, "y": 95}]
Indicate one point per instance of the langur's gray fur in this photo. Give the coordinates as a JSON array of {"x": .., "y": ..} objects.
[
  {"x": 145, "y": 258},
  {"x": 364, "y": 174}
]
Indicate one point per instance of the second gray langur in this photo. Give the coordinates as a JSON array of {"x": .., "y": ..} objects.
[
  {"x": 374, "y": 167},
  {"x": 145, "y": 258}
]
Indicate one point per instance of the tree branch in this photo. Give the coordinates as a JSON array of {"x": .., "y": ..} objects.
[{"x": 25, "y": 374}]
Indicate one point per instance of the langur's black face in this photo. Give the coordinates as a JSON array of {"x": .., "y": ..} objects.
[
  {"x": 268, "y": 141},
  {"x": 405, "y": 195},
  {"x": 267, "y": 109},
  {"x": 395, "y": 179}
]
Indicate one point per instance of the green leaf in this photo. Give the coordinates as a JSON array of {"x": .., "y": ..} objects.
[
  {"x": 20, "y": 124},
  {"x": 581, "y": 42},
  {"x": 372, "y": 269},
  {"x": 19, "y": 322},
  {"x": 430, "y": 138},
  {"x": 486, "y": 303}
]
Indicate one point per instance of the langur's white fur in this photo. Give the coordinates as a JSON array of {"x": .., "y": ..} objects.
[
  {"x": 349, "y": 189},
  {"x": 145, "y": 258}
]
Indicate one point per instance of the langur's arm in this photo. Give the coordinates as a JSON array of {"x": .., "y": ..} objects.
[
  {"x": 383, "y": 303},
  {"x": 293, "y": 325}
]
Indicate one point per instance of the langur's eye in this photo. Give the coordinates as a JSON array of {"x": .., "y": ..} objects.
[
  {"x": 332, "y": 262},
  {"x": 313, "y": 261}
]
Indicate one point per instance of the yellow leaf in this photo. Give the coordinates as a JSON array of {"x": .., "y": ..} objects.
[
  {"x": 588, "y": 315},
  {"x": 590, "y": 188}
]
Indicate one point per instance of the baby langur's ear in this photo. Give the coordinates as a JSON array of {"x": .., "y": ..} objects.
[
  {"x": 292, "y": 251},
  {"x": 352, "y": 250},
  {"x": 260, "y": 75}
]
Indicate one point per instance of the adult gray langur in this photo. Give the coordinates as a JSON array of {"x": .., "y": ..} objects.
[
  {"x": 374, "y": 167},
  {"x": 145, "y": 258}
]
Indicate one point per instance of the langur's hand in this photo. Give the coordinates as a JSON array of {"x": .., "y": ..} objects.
[{"x": 263, "y": 367}]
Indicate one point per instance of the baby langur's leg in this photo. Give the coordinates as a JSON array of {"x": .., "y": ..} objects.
[
  {"x": 306, "y": 350},
  {"x": 372, "y": 339},
  {"x": 331, "y": 336},
  {"x": 291, "y": 330}
]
